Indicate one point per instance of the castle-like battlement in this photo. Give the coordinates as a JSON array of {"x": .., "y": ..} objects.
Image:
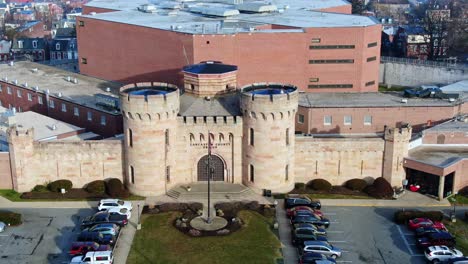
[{"x": 209, "y": 120}]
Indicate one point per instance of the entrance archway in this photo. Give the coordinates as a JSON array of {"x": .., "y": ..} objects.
[{"x": 217, "y": 166}]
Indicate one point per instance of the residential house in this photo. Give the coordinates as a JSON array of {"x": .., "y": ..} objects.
[
  {"x": 5, "y": 48},
  {"x": 33, "y": 29},
  {"x": 34, "y": 49},
  {"x": 64, "y": 33},
  {"x": 395, "y": 9},
  {"x": 411, "y": 42},
  {"x": 74, "y": 13},
  {"x": 63, "y": 50},
  {"x": 25, "y": 15}
]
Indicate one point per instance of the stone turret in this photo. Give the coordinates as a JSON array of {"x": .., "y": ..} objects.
[
  {"x": 268, "y": 144},
  {"x": 210, "y": 78},
  {"x": 396, "y": 148},
  {"x": 150, "y": 111},
  {"x": 21, "y": 148}
]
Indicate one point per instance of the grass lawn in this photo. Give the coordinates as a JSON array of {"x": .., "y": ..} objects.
[
  {"x": 159, "y": 242},
  {"x": 460, "y": 231},
  {"x": 460, "y": 199},
  {"x": 336, "y": 196},
  {"x": 16, "y": 197}
]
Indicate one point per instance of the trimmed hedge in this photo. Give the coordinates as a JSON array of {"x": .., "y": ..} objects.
[
  {"x": 115, "y": 188},
  {"x": 10, "y": 218},
  {"x": 319, "y": 185},
  {"x": 381, "y": 189},
  {"x": 40, "y": 188},
  {"x": 356, "y": 184},
  {"x": 402, "y": 217},
  {"x": 56, "y": 186},
  {"x": 299, "y": 186},
  {"x": 96, "y": 187}
]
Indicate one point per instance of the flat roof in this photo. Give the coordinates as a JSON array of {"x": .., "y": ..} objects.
[
  {"x": 56, "y": 81},
  {"x": 225, "y": 105},
  {"x": 439, "y": 156},
  {"x": 451, "y": 126},
  {"x": 388, "y": 99},
  {"x": 208, "y": 17},
  {"x": 461, "y": 86}
]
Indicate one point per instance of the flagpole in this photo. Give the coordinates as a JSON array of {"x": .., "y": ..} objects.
[{"x": 208, "y": 220}]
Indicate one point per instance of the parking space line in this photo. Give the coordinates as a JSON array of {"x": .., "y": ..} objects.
[
  {"x": 4, "y": 235},
  {"x": 335, "y": 232},
  {"x": 344, "y": 261},
  {"x": 412, "y": 244},
  {"x": 334, "y": 241},
  {"x": 329, "y": 213},
  {"x": 405, "y": 241},
  {"x": 345, "y": 251}
]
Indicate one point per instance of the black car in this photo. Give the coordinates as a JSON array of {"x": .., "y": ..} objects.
[
  {"x": 441, "y": 238},
  {"x": 290, "y": 202},
  {"x": 311, "y": 219},
  {"x": 104, "y": 218},
  {"x": 424, "y": 231},
  {"x": 314, "y": 228},
  {"x": 312, "y": 257},
  {"x": 299, "y": 235},
  {"x": 96, "y": 237}
]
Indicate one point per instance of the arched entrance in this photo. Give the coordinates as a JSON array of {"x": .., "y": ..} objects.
[{"x": 217, "y": 166}]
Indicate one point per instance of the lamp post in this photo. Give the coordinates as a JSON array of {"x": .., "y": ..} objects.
[
  {"x": 138, "y": 217},
  {"x": 453, "y": 216}
]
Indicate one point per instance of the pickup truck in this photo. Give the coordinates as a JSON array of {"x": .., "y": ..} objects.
[
  {"x": 95, "y": 257},
  {"x": 104, "y": 217}
]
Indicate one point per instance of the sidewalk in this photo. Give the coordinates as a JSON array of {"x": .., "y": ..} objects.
[{"x": 5, "y": 203}]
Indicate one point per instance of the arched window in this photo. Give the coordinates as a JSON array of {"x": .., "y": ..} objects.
[
  {"x": 132, "y": 174},
  {"x": 202, "y": 137},
  {"x": 287, "y": 136},
  {"x": 286, "y": 173},
  {"x": 192, "y": 137},
  {"x": 130, "y": 138},
  {"x": 251, "y": 137},
  {"x": 252, "y": 173},
  {"x": 221, "y": 137}
]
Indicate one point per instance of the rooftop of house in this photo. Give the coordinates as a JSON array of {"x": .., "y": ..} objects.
[
  {"x": 65, "y": 33},
  {"x": 45, "y": 128},
  {"x": 27, "y": 25},
  {"x": 216, "y": 17},
  {"x": 55, "y": 81},
  {"x": 388, "y": 99},
  {"x": 438, "y": 156}
]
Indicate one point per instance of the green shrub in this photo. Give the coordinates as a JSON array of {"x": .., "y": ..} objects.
[
  {"x": 56, "y": 186},
  {"x": 356, "y": 184},
  {"x": 319, "y": 185},
  {"x": 114, "y": 187},
  {"x": 40, "y": 188},
  {"x": 10, "y": 218},
  {"x": 96, "y": 187},
  {"x": 381, "y": 189},
  {"x": 402, "y": 217},
  {"x": 299, "y": 186}
]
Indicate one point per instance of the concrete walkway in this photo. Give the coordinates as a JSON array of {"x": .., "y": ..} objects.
[{"x": 289, "y": 251}]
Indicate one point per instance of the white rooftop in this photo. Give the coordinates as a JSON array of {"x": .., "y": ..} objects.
[
  {"x": 461, "y": 86},
  {"x": 216, "y": 17}
]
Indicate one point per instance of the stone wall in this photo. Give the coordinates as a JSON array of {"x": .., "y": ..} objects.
[
  {"x": 402, "y": 74},
  {"x": 80, "y": 161},
  {"x": 5, "y": 171},
  {"x": 338, "y": 159}
]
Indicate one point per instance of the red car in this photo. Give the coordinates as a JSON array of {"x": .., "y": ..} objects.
[
  {"x": 425, "y": 222},
  {"x": 291, "y": 212},
  {"x": 80, "y": 248}
]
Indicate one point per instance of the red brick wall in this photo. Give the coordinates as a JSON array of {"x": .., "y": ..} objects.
[
  {"x": 5, "y": 171},
  {"x": 145, "y": 54},
  {"x": 381, "y": 116},
  {"x": 113, "y": 122},
  {"x": 132, "y": 53},
  {"x": 37, "y": 31},
  {"x": 461, "y": 176},
  {"x": 344, "y": 9},
  {"x": 430, "y": 137}
]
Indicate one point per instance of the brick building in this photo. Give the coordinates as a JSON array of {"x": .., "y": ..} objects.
[
  {"x": 259, "y": 38},
  {"x": 5, "y": 50},
  {"x": 33, "y": 49},
  {"x": 33, "y": 29}
]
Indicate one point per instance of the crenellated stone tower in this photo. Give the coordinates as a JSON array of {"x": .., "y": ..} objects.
[
  {"x": 21, "y": 147},
  {"x": 268, "y": 128},
  {"x": 150, "y": 122},
  {"x": 396, "y": 148}
]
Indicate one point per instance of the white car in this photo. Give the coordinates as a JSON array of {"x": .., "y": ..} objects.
[
  {"x": 438, "y": 254},
  {"x": 94, "y": 257},
  {"x": 2, "y": 227},
  {"x": 120, "y": 211},
  {"x": 114, "y": 203}
]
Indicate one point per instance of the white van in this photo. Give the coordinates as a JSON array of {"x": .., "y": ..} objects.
[{"x": 94, "y": 257}]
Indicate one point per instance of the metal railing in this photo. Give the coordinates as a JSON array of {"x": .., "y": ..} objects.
[{"x": 456, "y": 66}]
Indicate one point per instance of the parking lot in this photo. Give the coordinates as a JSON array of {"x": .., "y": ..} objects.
[
  {"x": 369, "y": 235},
  {"x": 44, "y": 237}
]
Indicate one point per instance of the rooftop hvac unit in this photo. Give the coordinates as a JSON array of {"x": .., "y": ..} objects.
[
  {"x": 451, "y": 100},
  {"x": 404, "y": 100},
  {"x": 108, "y": 89},
  {"x": 11, "y": 63},
  {"x": 75, "y": 81},
  {"x": 34, "y": 70},
  {"x": 26, "y": 85},
  {"x": 68, "y": 78},
  {"x": 59, "y": 94},
  {"x": 15, "y": 81},
  {"x": 36, "y": 88},
  {"x": 6, "y": 78}
]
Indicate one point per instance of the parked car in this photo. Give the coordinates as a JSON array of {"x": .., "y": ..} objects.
[
  {"x": 105, "y": 229},
  {"x": 436, "y": 239},
  {"x": 290, "y": 212},
  {"x": 311, "y": 219},
  {"x": 298, "y": 236},
  {"x": 105, "y": 204},
  {"x": 458, "y": 260},
  {"x": 290, "y": 202},
  {"x": 304, "y": 212},
  {"x": 317, "y": 230},
  {"x": 313, "y": 258},
  {"x": 104, "y": 217},
  {"x": 2, "y": 227},
  {"x": 416, "y": 223},
  {"x": 96, "y": 257},
  {"x": 424, "y": 231},
  {"x": 441, "y": 253},
  {"x": 322, "y": 247},
  {"x": 81, "y": 248},
  {"x": 86, "y": 236},
  {"x": 120, "y": 211}
]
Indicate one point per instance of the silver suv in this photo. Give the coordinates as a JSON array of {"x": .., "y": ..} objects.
[
  {"x": 441, "y": 253},
  {"x": 323, "y": 248}
]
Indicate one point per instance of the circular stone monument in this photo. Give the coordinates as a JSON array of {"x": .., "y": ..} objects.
[{"x": 200, "y": 223}]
